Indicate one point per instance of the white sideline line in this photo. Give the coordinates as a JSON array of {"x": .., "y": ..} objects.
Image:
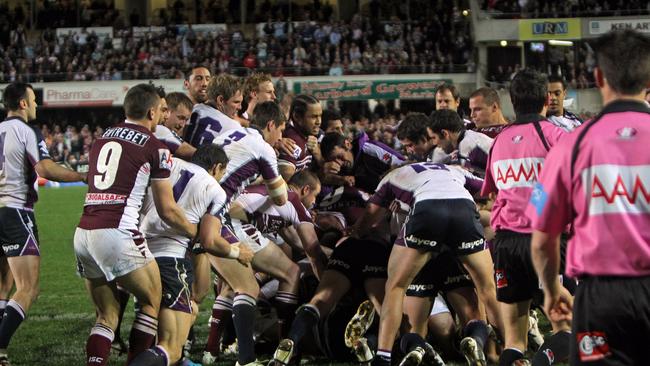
[{"x": 64, "y": 316}]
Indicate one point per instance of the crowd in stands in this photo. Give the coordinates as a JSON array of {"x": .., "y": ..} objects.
[
  {"x": 564, "y": 9},
  {"x": 438, "y": 43}
]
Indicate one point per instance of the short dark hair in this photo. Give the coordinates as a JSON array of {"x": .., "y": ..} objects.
[
  {"x": 329, "y": 115},
  {"x": 190, "y": 71},
  {"x": 624, "y": 58},
  {"x": 490, "y": 95},
  {"x": 13, "y": 93},
  {"x": 445, "y": 119},
  {"x": 139, "y": 99},
  {"x": 208, "y": 155},
  {"x": 175, "y": 99},
  {"x": 329, "y": 142},
  {"x": 299, "y": 105},
  {"x": 304, "y": 178},
  {"x": 528, "y": 91},
  {"x": 554, "y": 78},
  {"x": 413, "y": 127},
  {"x": 451, "y": 88},
  {"x": 265, "y": 112}
]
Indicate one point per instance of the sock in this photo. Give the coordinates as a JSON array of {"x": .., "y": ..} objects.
[
  {"x": 509, "y": 356},
  {"x": 478, "y": 330},
  {"x": 98, "y": 346},
  {"x": 307, "y": 318},
  {"x": 221, "y": 311},
  {"x": 14, "y": 315},
  {"x": 382, "y": 358},
  {"x": 554, "y": 349},
  {"x": 409, "y": 341},
  {"x": 156, "y": 356},
  {"x": 243, "y": 317},
  {"x": 286, "y": 304},
  {"x": 269, "y": 290},
  {"x": 3, "y": 305},
  {"x": 123, "y": 298},
  {"x": 142, "y": 335}
]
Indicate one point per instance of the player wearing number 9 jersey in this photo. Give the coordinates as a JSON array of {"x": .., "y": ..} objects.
[{"x": 123, "y": 162}]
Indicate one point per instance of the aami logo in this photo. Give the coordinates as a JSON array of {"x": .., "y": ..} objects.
[
  {"x": 617, "y": 189},
  {"x": 551, "y": 28},
  {"x": 511, "y": 173},
  {"x": 592, "y": 346}
]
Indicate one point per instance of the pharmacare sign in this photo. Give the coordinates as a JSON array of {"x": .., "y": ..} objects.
[
  {"x": 370, "y": 89},
  {"x": 96, "y": 93},
  {"x": 546, "y": 29},
  {"x": 597, "y": 27}
]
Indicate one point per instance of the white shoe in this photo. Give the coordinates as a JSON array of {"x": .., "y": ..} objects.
[
  {"x": 359, "y": 324},
  {"x": 283, "y": 353},
  {"x": 413, "y": 358},
  {"x": 208, "y": 358},
  {"x": 473, "y": 354},
  {"x": 535, "y": 337},
  {"x": 254, "y": 363}
]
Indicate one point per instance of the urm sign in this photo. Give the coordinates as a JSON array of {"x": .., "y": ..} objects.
[{"x": 551, "y": 28}]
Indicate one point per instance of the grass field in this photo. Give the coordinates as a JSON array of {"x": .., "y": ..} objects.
[{"x": 57, "y": 325}]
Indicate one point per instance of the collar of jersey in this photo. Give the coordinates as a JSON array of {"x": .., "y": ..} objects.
[
  {"x": 528, "y": 118},
  {"x": 626, "y": 106},
  {"x": 16, "y": 117}
]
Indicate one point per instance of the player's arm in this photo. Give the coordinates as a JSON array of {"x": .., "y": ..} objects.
[
  {"x": 168, "y": 210},
  {"x": 277, "y": 189},
  {"x": 373, "y": 214},
  {"x": 185, "y": 151},
  {"x": 50, "y": 170},
  {"x": 287, "y": 170},
  {"x": 215, "y": 244},
  {"x": 237, "y": 212},
  {"x": 312, "y": 248}
]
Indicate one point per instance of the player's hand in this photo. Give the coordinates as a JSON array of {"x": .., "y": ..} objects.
[
  {"x": 286, "y": 145},
  {"x": 558, "y": 304},
  {"x": 245, "y": 254},
  {"x": 84, "y": 177},
  {"x": 331, "y": 167},
  {"x": 349, "y": 180},
  {"x": 312, "y": 144}
]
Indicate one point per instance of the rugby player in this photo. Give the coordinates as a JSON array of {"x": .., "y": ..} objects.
[
  {"x": 196, "y": 83},
  {"x": 486, "y": 113},
  {"x": 556, "y": 112},
  {"x": 305, "y": 119}
]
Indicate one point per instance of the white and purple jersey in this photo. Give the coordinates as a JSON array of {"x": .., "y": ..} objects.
[
  {"x": 268, "y": 217},
  {"x": 168, "y": 137},
  {"x": 197, "y": 193},
  {"x": 21, "y": 148},
  {"x": 249, "y": 157},
  {"x": 598, "y": 179},
  {"x": 417, "y": 182},
  {"x": 567, "y": 121},
  {"x": 473, "y": 150},
  {"x": 514, "y": 166},
  {"x": 372, "y": 160},
  {"x": 206, "y": 123}
]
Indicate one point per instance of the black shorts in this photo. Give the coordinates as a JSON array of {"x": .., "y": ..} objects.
[
  {"x": 176, "y": 275},
  {"x": 359, "y": 260},
  {"x": 514, "y": 273},
  {"x": 437, "y": 225},
  {"x": 18, "y": 232},
  {"x": 444, "y": 273},
  {"x": 611, "y": 321}
]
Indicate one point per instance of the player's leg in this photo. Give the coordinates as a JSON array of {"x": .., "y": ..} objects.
[
  {"x": 403, "y": 265},
  {"x": 107, "y": 307},
  {"x": 442, "y": 327},
  {"x": 242, "y": 280},
  {"x": 220, "y": 319},
  {"x": 6, "y": 283}
]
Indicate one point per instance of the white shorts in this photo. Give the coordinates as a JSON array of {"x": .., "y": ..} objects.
[
  {"x": 249, "y": 235},
  {"x": 109, "y": 253},
  {"x": 439, "y": 306}
]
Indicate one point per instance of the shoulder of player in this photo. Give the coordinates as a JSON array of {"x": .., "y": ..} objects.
[
  {"x": 380, "y": 150},
  {"x": 292, "y": 132}
]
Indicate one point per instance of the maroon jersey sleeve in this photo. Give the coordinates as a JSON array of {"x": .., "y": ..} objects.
[{"x": 160, "y": 160}]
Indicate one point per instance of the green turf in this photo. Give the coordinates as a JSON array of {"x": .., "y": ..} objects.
[{"x": 57, "y": 325}]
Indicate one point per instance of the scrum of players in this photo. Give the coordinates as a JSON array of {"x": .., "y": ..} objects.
[{"x": 325, "y": 245}]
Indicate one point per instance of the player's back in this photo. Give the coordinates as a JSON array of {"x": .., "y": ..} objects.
[
  {"x": 373, "y": 159},
  {"x": 196, "y": 192},
  {"x": 249, "y": 157},
  {"x": 206, "y": 123},
  {"x": 21, "y": 147},
  {"x": 121, "y": 164}
]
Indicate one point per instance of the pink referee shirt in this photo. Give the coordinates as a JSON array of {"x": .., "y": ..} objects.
[
  {"x": 513, "y": 167},
  {"x": 607, "y": 198}
]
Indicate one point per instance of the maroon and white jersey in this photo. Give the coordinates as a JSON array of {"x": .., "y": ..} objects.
[
  {"x": 21, "y": 148},
  {"x": 268, "y": 217},
  {"x": 122, "y": 163},
  {"x": 597, "y": 178},
  {"x": 250, "y": 156},
  {"x": 301, "y": 157},
  {"x": 491, "y": 131}
]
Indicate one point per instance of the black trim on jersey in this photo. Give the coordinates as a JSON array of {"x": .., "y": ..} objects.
[
  {"x": 618, "y": 106},
  {"x": 15, "y": 117},
  {"x": 522, "y": 119}
]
